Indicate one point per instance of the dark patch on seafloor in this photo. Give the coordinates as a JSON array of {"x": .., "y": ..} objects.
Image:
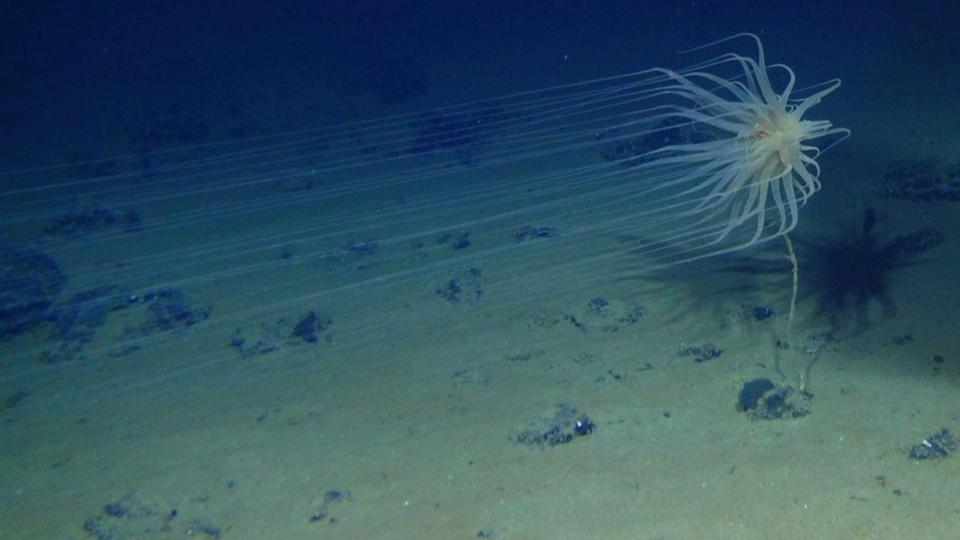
[
  {"x": 922, "y": 181},
  {"x": 86, "y": 219},
  {"x": 763, "y": 400},
  {"x": 530, "y": 232},
  {"x": 461, "y": 133},
  {"x": 602, "y": 315},
  {"x": 332, "y": 499},
  {"x": 137, "y": 516},
  {"x": 464, "y": 287},
  {"x": 566, "y": 424},
  {"x": 30, "y": 282},
  {"x": 935, "y": 446},
  {"x": 265, "y": 338},
  {"x": 700, "y": 353},
  {"x": 847, "y": 275},
  {"x": 76, "y": 322}
]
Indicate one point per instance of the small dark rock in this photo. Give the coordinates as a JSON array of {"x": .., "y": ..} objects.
[
  {"x": 306, "y": 329},
  {"x": 170, "y": 310},
  {"x": 939, "y": 445},
  {"x": 905, "y": 339},
  {"x": 762, "y": 312},
  {"x": 462, "y": 241},
  {"x": 601, "y": 315},
  {"x": 598, "y": 303},
  {"x": 450, "y": 291},
  {"x": 330, "y": 498},
  {"x": 362, "y": 248},
  {"x": 116, "y": 509},
  {"x": 205, "y": 528},
  {"x": 583, "y": 426},
  {"x": 528, "y": 232},
  {"x": 335, "y": 495},
  {"x": 701, "y": 353},
  {"x": 96, "y": 528},
  {"x": 269, "y": 337},
  {"x": 76, "y": 322},
  {"x": 465, "y": 287},
  {"x": 565, "y": 424}
]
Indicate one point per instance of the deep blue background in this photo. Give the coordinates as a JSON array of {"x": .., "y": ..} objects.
[{"x": 80, "y": 70}]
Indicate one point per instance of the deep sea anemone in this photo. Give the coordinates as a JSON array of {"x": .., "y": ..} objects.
[
  {"x": 755, "y": 163},
  {"x": 372, "y": 230}
]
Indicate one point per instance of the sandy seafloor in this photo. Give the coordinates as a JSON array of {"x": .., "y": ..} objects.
[{"x": 404, "y": 424}]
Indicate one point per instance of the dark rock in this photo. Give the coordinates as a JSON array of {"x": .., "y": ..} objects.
[
  {"x": 91, "y": 218},
  {"x": 309, "y": 326},
  {"x": 269, "y": 337},
  {"x": 331, "y": 499},
  {"x": 462, "y": 241},
  {"x": 762, "y": 400},
  {"x": 565, "y": 425},
  {"x": 583, "y": 426},
  {"x": 205, "y": 528},
  {"x": 939, "y": 445},
  {"x": 602, "y": 315},
  {"x": 361, "y": 248},
  {"x": 762, "y": 312},
  {"x": 528, "y": 232},
  {"x": 169, "y": 310},
  {"x": 116, "y": 509},
  {"x": 905, "y": 339},
  {"x": 700, "y": 353},
  {"x": 465, "y": 287},
  {"x": 30, "y": 282},
  {"x": 598, "y": 303},
  {"x": 76, "y": 321},
  {"x": 455, "y": 241},
  {"x": 923, "y": 181}
]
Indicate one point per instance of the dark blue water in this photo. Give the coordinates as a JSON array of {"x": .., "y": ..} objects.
[
  {"x": 240, "y": 299},
  {"x": 62, "y": 59}
]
